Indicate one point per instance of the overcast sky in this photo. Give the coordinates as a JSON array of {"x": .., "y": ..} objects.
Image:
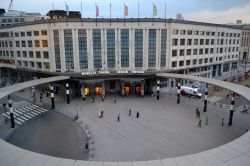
[{"x": 215, "y": 11}]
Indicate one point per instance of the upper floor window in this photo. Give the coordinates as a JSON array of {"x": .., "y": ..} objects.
[
  {"x": 36, "y": 33},
  {"x": 44, "y": 32}
]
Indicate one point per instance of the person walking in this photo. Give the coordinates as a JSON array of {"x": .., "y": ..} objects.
[
  {"x": 86, "y": 147},
  {"x": 118, "y": 118},
  {"x": 137, "y": 114},
  {"x": 199, "y": 123},
  {"x": 129, "y": 112},
  {"x": 102, "y": 113},
  {"x": 197, "y": 113},
  {"x": 114, "y": 99},
  {"x": 41, "y": 97},
  {"x": 222, "y": 122},
  {"x": 206, "y": 120},
  {"x": 93, "y": 99},
  {"x": 103, "y": 97}
]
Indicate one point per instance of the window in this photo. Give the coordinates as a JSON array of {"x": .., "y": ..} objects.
[
  {"x": 195, "y": 41},
  {"x": 210, "y": 60},
  {"x": 196, "y": 32},
  {"x": 110, "y": 48},
  {"x": 202, "y": 32},
  {"x": 9, "y": 20},
  {"x": 211, "y": 50},
  {"x": 44, "y": 32},
  {"x": 213, "y": 33},
  {"x": 188, "y": 62},
  {"x": 175, "y": 32},
  {"x": 24, "y": 54},
  {"x": 174, "y": 53},
  {"x": 17, "y": 44},
  {"x": 200, "y": 61},
  {"x": 36, "y": 33},
  {"x": 30, "y": 43},
  {"x": 23, "y": 43},
  {"x": 194, "y": 61},
  {"x": 206, "y": 50},
  {"x": 206, "y": 60},
  {"x": 10, "y": 44},
  {"x": 182, "y": 52},
  {"x": 207, "y": 41},
  {"x": 212, "y": 41},
  {"x": 174, "y": 42},
  {"x": 57, "y": 49},
  {"x": 31, "y": 55},
  {"x": 38, "y": 54},
  {"x": 221, "y": 41},
  {"x": 45, "y": 43},
  {"x": 163, "y": 47},
  {"x": 182, "y": 32},
  {"x": 195, "y": 51},
  {"x": 97, "y": 56},
  {"x": 200, "y": 51},
  {"x": 174, "y": 63},
  {"x": 207, "y": 33},
  {"x": 188, "y": 51},
  {"x": 45, "y": 54},
  {"x": 83, "y": 54},
  {"x": 189, "y": 42},
  {"x": 68, "y": 48},
  {"x": 201, "y": 41},
  {"x": 37, "y": 43},
  {"x": 16, "y": 20},
  {"x": 189, "y": 32},
  {"x": 32, "y": 64},
  {"x": 181, "y": 63},
  {"x": 182, "y": 42},
  {"x": 22, "y": 34},
  {"x": 18, "y": 53},
  {"x": 29, "y": 34},
  {"x": 39, "y": 65}
]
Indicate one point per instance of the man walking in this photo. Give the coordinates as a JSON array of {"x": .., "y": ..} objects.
[
  {"x": 118, "y": 118},
  {"x": 137, "y": 114},
  {"x": 197, "y": 113},
  {"x": 206, "y": 120},
  {"x": 222, "y": 122},
  {"x": 199, "y": 124},
  {"x": 102, "y": 113},
  {"x": 129, "y": 112}
]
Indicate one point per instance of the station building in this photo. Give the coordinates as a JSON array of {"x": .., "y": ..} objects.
[{"x": 119, "y": 56}]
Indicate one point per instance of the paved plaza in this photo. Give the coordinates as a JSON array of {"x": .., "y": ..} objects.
[{"x": 164, "y": 129}]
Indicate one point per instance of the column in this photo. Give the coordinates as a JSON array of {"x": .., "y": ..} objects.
[
  {"x": 67, "y": 92},
  {"x": 52, "y": 96},
  {"x": 178, "y": 92},
  {"x": 12, "y": 120},
  {"x": 83, "y": 90},
  {"x": 158, "y": 89},
  {"x": 231, "y": 110},
  {"x": 142, "y": 88},
  {"x": 123, "y": 91},
  {"x": 205, "y": 101}
]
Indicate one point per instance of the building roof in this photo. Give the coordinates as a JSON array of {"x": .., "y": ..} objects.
[{"x": 102, "y": 20}]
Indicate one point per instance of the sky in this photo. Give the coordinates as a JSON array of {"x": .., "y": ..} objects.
[{"x": 213, "y": 11}]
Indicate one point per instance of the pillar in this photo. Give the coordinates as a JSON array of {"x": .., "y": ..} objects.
[
  {"x": 158, "y": 89},
  {"x": 52, "y": 97},
  {"x": 123, "y": 85},
  {"x": 142, "y": 87},
  {"x": 67, "y": 93},
  {"x": 231, "y": 110},
  {"x": 12, "y": 120},
  {"x": 179, "y": 93},
  {"x": 205, "y": 101},
  {"x": 83, "y": 90}
]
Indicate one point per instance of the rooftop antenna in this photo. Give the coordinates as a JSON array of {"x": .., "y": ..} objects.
[{"x": 10, "y": 5}]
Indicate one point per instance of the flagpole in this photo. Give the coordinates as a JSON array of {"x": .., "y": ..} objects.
[
  {"x": 153, "y": 13},
  {"x": 165, "y": 14},
  {"x": 110, "y": 14},
  {"x": 81, "y": 10},
  {"x": 138, "y": 12},
  {"x": 124, "y": 14},
  {"x": 95, "y": 14}
]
